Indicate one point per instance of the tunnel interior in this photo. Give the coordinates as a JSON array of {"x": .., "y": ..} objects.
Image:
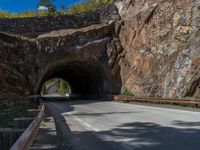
[{"x": 82, "y": 77}]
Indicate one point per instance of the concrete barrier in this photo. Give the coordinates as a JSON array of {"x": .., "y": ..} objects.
[
  {"x": 193, "y": 102},
  {"x": 22, "y": 123}
]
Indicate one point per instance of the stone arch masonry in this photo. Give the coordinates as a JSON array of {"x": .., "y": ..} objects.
[{"x": 72, "y": 47}]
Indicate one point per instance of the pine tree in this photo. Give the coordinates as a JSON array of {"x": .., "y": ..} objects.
[
  {"x": 49, "y": 4},
  {"x": 62, "y": 7}
]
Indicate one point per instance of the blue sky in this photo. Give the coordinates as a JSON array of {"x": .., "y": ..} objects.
[{"x": 16, "y": 6}]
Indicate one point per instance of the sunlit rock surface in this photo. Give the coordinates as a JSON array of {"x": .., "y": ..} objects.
[{"x": 161, "y": 48}]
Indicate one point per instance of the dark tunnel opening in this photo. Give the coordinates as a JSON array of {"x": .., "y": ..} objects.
[{"x": 85, "y": 78}]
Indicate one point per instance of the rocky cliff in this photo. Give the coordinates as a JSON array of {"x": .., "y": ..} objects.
[
  {"x": 161, "y": 47},
  {"x": 149, "y": 48}
]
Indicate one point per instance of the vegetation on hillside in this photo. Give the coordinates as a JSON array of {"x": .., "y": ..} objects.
[
  {"x": 90, "y": 5},
  {"x": 82, "y": 7},
  {"x": 11, "y": 110}
]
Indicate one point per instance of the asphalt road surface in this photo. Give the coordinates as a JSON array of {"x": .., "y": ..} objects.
[{"x": 106, "y": 125}]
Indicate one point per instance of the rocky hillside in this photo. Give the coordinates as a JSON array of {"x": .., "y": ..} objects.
[{"x": 161, "y": 47}]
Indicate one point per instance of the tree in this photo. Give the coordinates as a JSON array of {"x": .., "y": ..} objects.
[
  {"x": 49, "y": 4},
  {"x": 62, "y": 7}
]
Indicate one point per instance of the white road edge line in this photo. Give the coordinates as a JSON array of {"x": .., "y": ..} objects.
[{"x": 84, "y": 124}]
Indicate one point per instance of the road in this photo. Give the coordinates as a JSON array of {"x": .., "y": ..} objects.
[{"x": 106, "y": 125}]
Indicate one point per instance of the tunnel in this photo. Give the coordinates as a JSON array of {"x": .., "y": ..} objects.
[{"x": 82, "y": 77}]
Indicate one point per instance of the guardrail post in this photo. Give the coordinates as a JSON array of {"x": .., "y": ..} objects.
[{"x": 33, "y": 112}]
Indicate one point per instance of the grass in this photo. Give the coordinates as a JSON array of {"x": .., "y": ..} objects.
[
  {"x": 26, "y": 14},
  {"x": 89, "y": 6}
]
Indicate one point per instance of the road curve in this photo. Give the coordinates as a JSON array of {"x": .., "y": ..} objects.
[{"x": 106, "y": 125}]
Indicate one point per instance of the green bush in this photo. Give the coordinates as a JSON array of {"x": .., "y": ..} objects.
[
  {"x": 90, "y": 5},
  {"x": 127, "y": 93}
]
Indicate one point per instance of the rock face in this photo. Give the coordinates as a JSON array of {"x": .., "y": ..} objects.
[
  {"x": 151, "y": 49},
  {"x": 161, "y": 48},
  {"x": 16, "y": 66}
]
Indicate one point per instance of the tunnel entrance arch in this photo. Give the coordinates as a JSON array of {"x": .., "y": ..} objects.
[{"x": 87, "y": 77}]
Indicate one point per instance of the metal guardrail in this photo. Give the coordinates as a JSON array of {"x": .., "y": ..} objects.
[
  {"x": 26, "y": 139},
  {"x": 156, "y": 99}
]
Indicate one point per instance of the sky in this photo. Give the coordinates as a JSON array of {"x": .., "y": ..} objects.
[{"x": 16, "y": 6}]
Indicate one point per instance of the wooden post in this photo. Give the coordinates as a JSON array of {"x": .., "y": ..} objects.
[
  {"x": 40, "y": 107},
  {"x": 33, "y": 112}
]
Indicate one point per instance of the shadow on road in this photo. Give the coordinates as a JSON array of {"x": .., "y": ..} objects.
[{"x": 151, "y": 136}]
